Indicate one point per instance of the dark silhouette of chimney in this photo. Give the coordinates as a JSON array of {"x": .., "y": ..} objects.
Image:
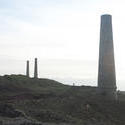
[
  {"x": 35, "y": 69},
  {"x": 27, "y": 68}
]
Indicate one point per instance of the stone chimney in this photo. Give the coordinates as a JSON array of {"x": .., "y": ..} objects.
[
  {"x": 106, "y": 71},
  {"x": 35, "y": 69},
  {"x": 27, "y": 68}
]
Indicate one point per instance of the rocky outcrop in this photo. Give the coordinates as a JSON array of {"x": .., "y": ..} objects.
[{"x": 9, "y": 111}]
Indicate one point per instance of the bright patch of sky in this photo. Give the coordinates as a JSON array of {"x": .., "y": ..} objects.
[{"x": 62, "y": 34}]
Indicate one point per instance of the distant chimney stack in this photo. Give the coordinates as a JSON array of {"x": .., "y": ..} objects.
[
  {"x": 35, "y": 69},
  {"x": 27, "y": 68}
]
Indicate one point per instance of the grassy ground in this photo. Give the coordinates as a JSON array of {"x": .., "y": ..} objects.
[{"x": 49, "y": 101}]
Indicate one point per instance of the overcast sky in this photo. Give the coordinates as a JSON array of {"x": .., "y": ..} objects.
[{"x": 62, "y": 34}]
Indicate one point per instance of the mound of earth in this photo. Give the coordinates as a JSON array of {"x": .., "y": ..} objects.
[{"x": 29, "y": 101}]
